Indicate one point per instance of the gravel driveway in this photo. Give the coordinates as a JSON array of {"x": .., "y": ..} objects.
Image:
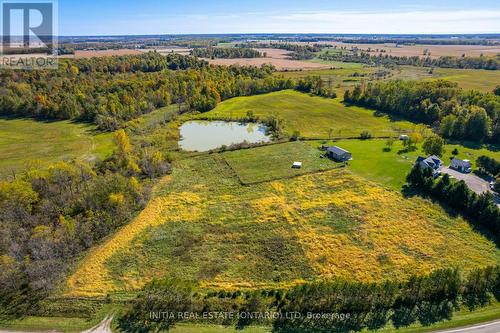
[{"x": 475, "y": 183}]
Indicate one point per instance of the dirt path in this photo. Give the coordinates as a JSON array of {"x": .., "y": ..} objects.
[{"x": 103, "y": 327}]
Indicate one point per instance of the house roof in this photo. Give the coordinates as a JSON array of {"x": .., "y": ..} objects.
[
  {"x": 461, "y": 163},
  {"x": 431, "y": 161},
  {"x": 337, "y": 150}
]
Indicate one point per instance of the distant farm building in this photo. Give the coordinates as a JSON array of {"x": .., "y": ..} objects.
[
  {"x": 461, "y": 165},
  {"x": 297, "y": 165},
  {"x": 431, "y": 162},
  {"x": 338, "y": 154},
  {"x": 404, "y": 137}
]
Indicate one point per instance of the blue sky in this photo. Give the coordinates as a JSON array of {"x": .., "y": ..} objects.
[{"x": 121, "y": 17}]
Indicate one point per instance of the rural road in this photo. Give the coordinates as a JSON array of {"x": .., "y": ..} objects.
[
  {"x": 103, "y": 327},
  {"x": 492, "y": 327}
]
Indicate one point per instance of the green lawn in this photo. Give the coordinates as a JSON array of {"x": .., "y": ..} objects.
[
  {"x": 312, "y": 116},
  {"x": 390, "y": 168},
  {"x": 478, "y": 79},
  {"x": 275, "y": 162},
  {"x": 25, "y": 141},
  {"x": 460, "y": 319}
]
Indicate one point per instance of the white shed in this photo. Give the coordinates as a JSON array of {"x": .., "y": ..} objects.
[{"x": 297, "y": 165}]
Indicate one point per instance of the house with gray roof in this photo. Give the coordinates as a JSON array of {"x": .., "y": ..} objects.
[
  {"x": 461, "y": 165},
  {"x": 433, "y": 162},
  {"x": 338, "y": 154}
]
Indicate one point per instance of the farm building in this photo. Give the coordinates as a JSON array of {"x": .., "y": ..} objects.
[
  {"x": 297, "y": 165},
  {"x": 338, "y": 154},
  {"x": 461, "y": 165},
  {"x": 404, "y": 137},
  {"x": 432, "y": 162}
]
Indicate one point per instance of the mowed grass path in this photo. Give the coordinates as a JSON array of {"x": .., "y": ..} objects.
[
  {"x": 25, "y": 141},
  {"x": 205, "y": 226},
  {"x": 275, "y": 162},
  {"x": 312, "y": 116}
]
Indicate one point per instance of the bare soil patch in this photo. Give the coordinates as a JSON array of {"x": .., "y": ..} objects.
[
  {"x": 102, "y": 53},
  {"x": 275, "y": 57}
]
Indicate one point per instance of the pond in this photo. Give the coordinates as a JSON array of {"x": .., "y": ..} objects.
[{"x": 200, "y": 135}]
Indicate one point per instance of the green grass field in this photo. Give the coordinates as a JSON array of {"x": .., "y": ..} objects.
[
  {"x": 203, "y": 225},
  {"x": 275, "y": 162},
  {"x": 26, "y": 141},
  {"x": 482, "y": 80},
  {"x": 390, "y": 168},
  {"x": 312, "y": 116},
  {"x": 460, "y": 318}
]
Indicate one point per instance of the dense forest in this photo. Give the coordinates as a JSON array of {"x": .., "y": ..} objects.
[
  {"x": 225, "y": 53},
  {"x": 111, "y": 90},
  {"x": 489, "y": 63},
  {"x": 323, "y": 306},
  {"x": 48, "y": 217},
  {"x": 454, "y": 113}
]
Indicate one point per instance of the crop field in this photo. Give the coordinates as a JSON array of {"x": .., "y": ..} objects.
[
  {"x": 203, "y": 225},
  {"x": 436, "y": 51},
  {"x": 312, "y": 116},
  {"x": 25, "y": 141},
  {"x": 275, "y": 162},
  {"x": 79, "y": 54},
  {"x": 275, "y": 57}
]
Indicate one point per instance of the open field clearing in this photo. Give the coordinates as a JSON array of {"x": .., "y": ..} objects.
[
  {"x": 25, "y": 141},
  {"x": 312, "y": 116},
  {"x": 478, "y": 79},
  {"x": 275, "y": 57},
  {"x": 390, "y": 168},
  {"x": 79, "y": 54},
  {"x": 482, "y": 80},
  {"x": 164, "y": 51},
  {"x": 436, "y": 51},
  {"x": 280, "y": 64},
  {"x": 204, "y": 226},
  {"x": 275, "y": 162}
]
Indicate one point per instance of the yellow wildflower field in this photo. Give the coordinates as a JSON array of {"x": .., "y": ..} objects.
[{"x": 204, "y": 226}]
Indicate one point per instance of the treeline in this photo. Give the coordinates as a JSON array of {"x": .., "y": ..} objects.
[
  {"x": 298, "y": 51},
  {"x": 423, "y": 41},
  {"x": 481, "y": 210},
  {"x": 111, "y": 90},
  {"x": 225, "y": 53},
  {"x": 489, "y": 165},
  {"x": 328, "y": 306},
  {"x": 454, "y": 113},
  {"x": 316, "y": 86},
  {"x": 489, "y": 63},
  {"x": 48, "y": 217}
]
